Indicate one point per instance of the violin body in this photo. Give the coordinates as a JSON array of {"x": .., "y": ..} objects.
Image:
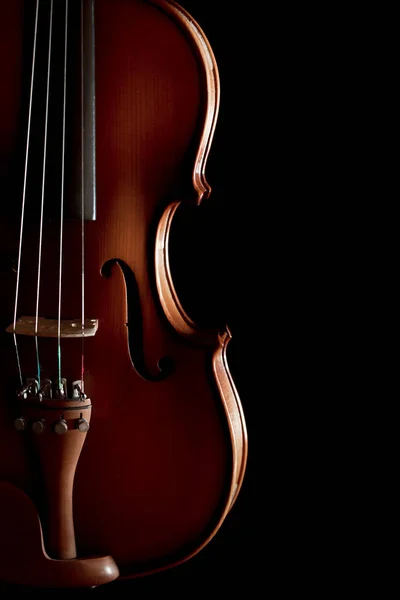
[{"x": 155, "y": 474}]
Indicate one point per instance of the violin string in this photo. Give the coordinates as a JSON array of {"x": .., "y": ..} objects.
[
  {"x": 43, "y": 188},
  {"x": 60, "y": 386},
  {"x": 24, "y": 191},
  {"x": 82, "y": 203}
]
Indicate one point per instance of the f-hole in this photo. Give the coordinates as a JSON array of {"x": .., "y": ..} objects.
[{"x": 135, "y": 327}]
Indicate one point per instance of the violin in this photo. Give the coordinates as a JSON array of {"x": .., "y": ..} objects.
[{"x": 123, "y": 441}]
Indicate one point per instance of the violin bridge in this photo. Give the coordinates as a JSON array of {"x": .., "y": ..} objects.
[{"x": 49, "y": 328}]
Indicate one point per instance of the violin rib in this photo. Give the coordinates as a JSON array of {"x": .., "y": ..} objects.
[{"x": 153, "y": 479}]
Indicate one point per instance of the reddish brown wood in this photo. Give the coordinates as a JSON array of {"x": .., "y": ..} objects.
[
  {"x": 163, "y": 461},
  {"x": 58, "y": 457},
  {"x": 27, "y": 563}
]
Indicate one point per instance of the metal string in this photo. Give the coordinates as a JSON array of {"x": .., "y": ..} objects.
[
  {"x": 60, "y": 386},
  {"x": 82, "y": 202},
  {"x": 24, "y": 193},
  {"x": 42, "y": 201}
]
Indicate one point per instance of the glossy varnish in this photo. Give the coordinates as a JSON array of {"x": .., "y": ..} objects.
[{"x": 166, "y": 452}]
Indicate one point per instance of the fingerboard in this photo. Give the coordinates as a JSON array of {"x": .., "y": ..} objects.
[{"x": 57, "y": 148}]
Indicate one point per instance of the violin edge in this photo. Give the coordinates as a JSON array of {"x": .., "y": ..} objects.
[
  {"x": 239, "y": 454},
  {"x": 203, "y": 49}
]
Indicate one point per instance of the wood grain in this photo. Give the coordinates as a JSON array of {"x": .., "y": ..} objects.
[{"x": 164, "y": 461}]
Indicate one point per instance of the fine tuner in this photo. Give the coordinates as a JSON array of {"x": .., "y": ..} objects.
[
  {"x": 42, "y": 410},
  {"x": 32, "y": 389},
  {"x": 108, "y": 111}
]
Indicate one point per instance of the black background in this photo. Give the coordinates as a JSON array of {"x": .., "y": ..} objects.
[
  {"x": 266, "y": 256},
  {"x": 277, "y": 253}
]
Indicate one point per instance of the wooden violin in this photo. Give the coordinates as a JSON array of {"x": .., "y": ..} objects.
[{"x": 123, "y": 442}]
